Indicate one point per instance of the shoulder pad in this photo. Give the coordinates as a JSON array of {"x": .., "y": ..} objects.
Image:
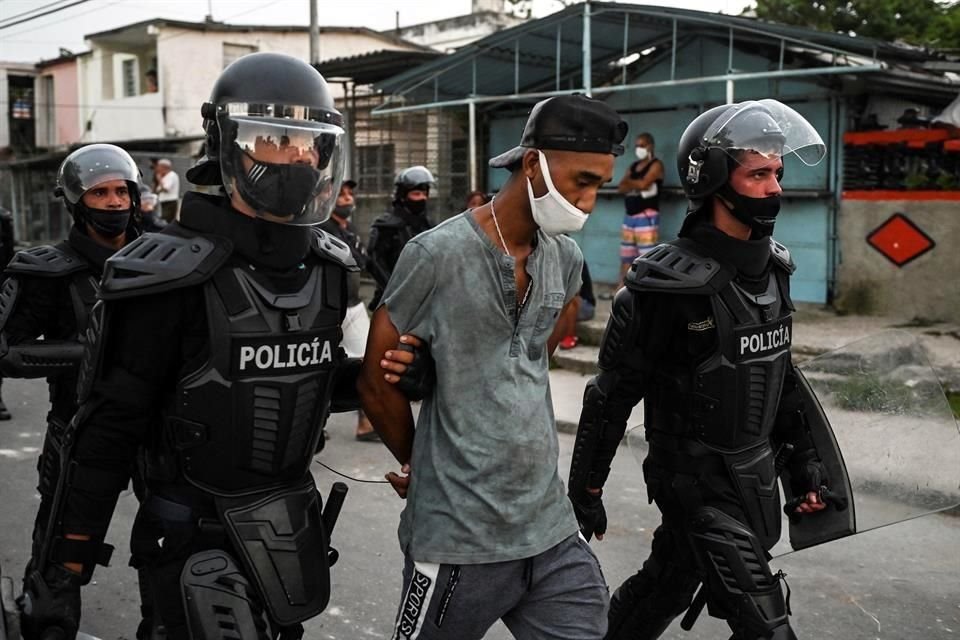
[
  {"x": 781, "y": 256},
  {"x": 46, "y": 262},
  {"x": 157, "y": 262},
  {"x": 676, "y": 267},
  {"x": 331, "y": 248}
]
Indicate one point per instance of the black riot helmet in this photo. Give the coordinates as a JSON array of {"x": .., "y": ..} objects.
[
  {"x": 416, "y": 178},
  {"x": 274, "y": 138},
  {"x": 730, "y": 133},
  {"x": 88, "y": 167}
]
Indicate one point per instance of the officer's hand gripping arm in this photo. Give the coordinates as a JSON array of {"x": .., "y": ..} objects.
[
  {"x": 408, "y": 366},
  {"x": 419, "y": 376}
]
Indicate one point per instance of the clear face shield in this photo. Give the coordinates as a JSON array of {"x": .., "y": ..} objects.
[
  {"x": 757, "y": 133},
  {"x": 284, "y": 162}
]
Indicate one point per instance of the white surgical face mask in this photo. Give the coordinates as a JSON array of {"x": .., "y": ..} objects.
[
  {"x": 642, "y": 153},
  {"x": 551, "y": 211}
]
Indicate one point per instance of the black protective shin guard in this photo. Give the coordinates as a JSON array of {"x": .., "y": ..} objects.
[{"x": 742, "y": 590}]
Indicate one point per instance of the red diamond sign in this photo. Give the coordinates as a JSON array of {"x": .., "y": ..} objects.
[{"x": 899, "y": 240}]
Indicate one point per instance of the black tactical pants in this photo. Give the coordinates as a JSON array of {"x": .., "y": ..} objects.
[{"x": 647, "y": 602}]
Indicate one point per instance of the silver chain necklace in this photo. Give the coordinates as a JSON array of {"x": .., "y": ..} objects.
[{"x": 496, "y": 224}]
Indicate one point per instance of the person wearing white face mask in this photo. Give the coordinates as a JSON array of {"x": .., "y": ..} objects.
[
  {"x": 487, "y": 532},
  {"x": 641, "y": 221}
]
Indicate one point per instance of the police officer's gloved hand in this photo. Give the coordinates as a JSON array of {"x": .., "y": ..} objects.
[
  {"x": 418, "y": 380},
  {"x": 807, "y": 472},
  {"x": 49, "y": 603},
  {"x": 590, "y": 512}
]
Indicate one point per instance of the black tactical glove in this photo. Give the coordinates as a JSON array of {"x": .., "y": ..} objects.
[
  {"x": 807, "y": 472},
  {"x": 418, "y": 380},
  {"x": 590, "y": 513},
  {"x": 50, "y": 605}
]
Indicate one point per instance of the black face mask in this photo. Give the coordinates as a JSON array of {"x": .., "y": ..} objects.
[
  {"x": 344, "y": 211},
  {"x": 279, "y": 189},
  {"x": 416, "y": 207},
  {"x": 760, "y": 214},
  {"x": 109, "y": 223}
]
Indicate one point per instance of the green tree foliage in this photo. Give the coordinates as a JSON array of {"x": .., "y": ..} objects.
[{"x": 926, "y": 23}]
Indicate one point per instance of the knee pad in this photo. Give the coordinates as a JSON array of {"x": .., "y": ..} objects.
[
  {"x": 741, "y": 588},
  {"x": 219, "y": 600}
]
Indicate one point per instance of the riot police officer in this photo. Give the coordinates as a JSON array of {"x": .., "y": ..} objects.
[
  {"x": 406, "y": 218},
  {"x": 49, "y": 291},
  {"x": 245, "y": 296},
  {"x": 701, "y": 332}
]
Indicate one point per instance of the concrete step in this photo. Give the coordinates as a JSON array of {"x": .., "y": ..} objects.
[
  {"x": 591, "y": 331},
  {"x": 581, "y": 359}
]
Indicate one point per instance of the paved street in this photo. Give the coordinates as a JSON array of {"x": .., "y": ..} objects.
[{"x": 898, "y": 583}]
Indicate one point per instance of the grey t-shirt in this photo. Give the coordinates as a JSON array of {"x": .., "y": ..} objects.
[{"x": 484, "y": 482}]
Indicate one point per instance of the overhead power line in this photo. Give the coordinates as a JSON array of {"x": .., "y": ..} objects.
[
  {"x": 34, "y": 10},
  {"x": 45, "y": 13}
]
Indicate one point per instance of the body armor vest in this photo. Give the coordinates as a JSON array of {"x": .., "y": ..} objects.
[
  {"x": 719, "y": 413},
  {"x": 728, "y": 400},
  {"x": 249, "y": 419}
]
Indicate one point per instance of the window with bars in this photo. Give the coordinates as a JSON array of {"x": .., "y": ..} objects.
[
  {"x": 129, "y": 71},
  {"x": 375, "y": 167}
]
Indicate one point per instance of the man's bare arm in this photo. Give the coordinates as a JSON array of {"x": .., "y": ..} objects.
[
  {"x": 385, "y": 405},
  {"x": 628, "y": 184}
]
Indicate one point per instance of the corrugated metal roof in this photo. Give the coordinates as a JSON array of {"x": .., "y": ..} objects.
[
  {"x": 374, "y": 66},
  {"x": 549, "y": 50}
]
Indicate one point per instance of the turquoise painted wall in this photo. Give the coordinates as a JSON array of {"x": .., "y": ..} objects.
[{"x": 804, "y": 224}]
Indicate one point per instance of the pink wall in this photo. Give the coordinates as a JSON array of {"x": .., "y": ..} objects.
[{"x": 66, "y": 98}]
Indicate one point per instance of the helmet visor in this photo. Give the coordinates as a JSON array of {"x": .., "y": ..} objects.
[
  {"x": 287, "y": 170},
  {"x": 766, "y": 128}
]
